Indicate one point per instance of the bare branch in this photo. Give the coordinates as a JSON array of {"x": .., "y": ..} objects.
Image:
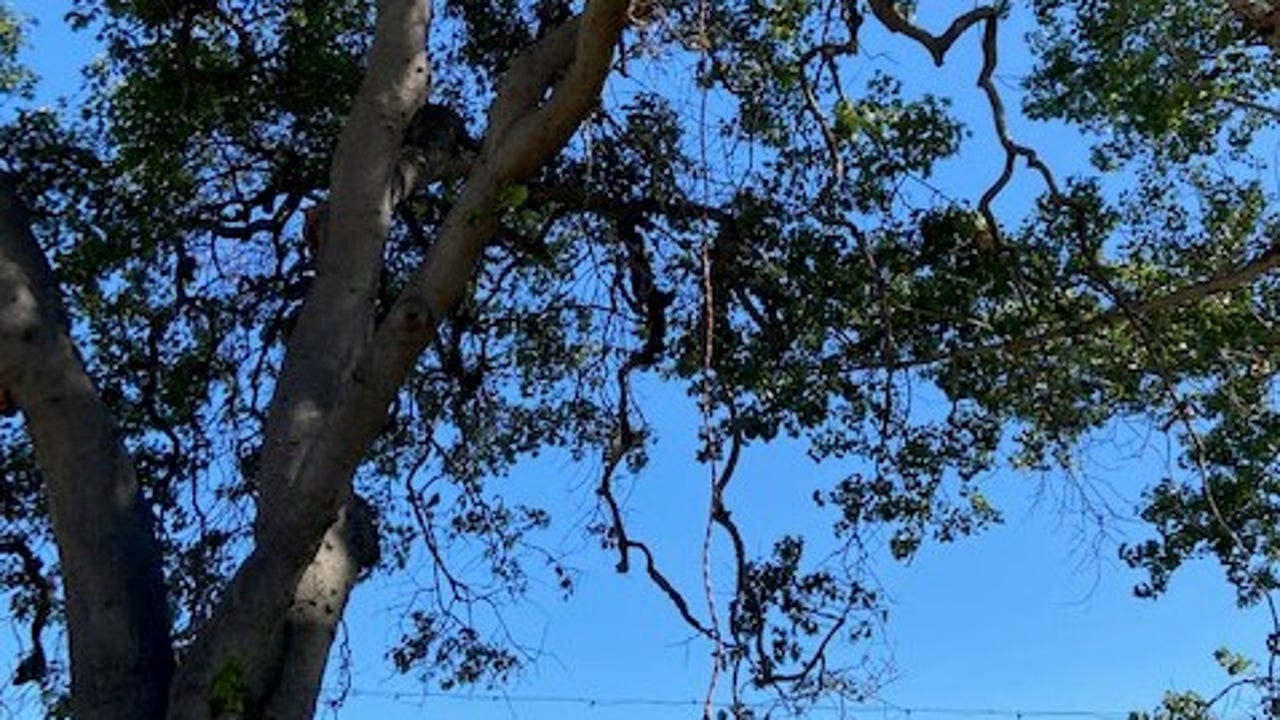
[
  {"x": 937, "y": 45},
  {"x": 1012, "y": 149},
  {"x": 32, "y": 668}
]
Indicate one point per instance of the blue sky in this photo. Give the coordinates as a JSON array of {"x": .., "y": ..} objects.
[{"x": 1034, "y": 615}]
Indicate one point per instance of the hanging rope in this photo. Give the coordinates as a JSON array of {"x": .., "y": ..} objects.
[{"x": 706, "y": 401}]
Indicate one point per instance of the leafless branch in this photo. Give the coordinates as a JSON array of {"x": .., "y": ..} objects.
[{"x": 32, "y": 668}]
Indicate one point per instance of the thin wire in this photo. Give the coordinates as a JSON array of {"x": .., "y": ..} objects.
[{"x": 884, "y": 707}]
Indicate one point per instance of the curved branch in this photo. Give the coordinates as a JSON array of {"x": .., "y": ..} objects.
[
  {"x": 1013, "y": 150},
  {"x": 117, "y": 614},
  {"x": 626, "y": 545},
  {"x": 32, "y": 668},
  {"x": 937, "y": 45}
]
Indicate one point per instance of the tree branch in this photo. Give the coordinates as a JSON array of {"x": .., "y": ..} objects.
[
  {"x": 1234, "y": 279},
  {"x": 1262, "y": 17},
  {"x": 33, "y": 666},
  {"x": 336, "y": 386},
  {"x": 334, "y": 326},
  {"x": 937, "y": 45},
  {"x": 338, "y": 314},
  {"x": 117, "y": 615}
]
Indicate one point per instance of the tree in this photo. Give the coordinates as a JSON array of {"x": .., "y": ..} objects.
[{"x": 184, "y": 363}]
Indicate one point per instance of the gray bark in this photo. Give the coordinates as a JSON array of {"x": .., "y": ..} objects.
[
  {"x": 326, "y": 413},
  {"x": 334, "y": 325},
  {"x": 117, "y": 617},
  {"x": 349, "y": 547}
]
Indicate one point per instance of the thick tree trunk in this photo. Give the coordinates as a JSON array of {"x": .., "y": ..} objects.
[
  {"x": 349, "y": 546},
  {"x": 117, "y": 617},
  {"x": 327, "y": 412},
  {"x": 294, "y": 510}
]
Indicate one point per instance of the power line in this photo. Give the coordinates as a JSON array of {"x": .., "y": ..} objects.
[{"x": 883, "y": 708}]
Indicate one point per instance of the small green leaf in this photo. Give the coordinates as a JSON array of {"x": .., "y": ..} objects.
[
  {"x": 514, "y": 196},
  {"x": 848, "y": 123},
  {"x": 1234, "y": 663}
]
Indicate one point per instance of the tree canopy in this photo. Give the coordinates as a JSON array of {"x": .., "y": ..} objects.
[{"x": 264, "y": 340}]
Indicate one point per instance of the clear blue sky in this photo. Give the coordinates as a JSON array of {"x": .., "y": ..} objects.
[{"x": 1028, "y": 617}]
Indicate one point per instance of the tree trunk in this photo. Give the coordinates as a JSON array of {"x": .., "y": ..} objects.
[
  {"x": 349, "y": 546},
  {"x": 117, "y": 615}
]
